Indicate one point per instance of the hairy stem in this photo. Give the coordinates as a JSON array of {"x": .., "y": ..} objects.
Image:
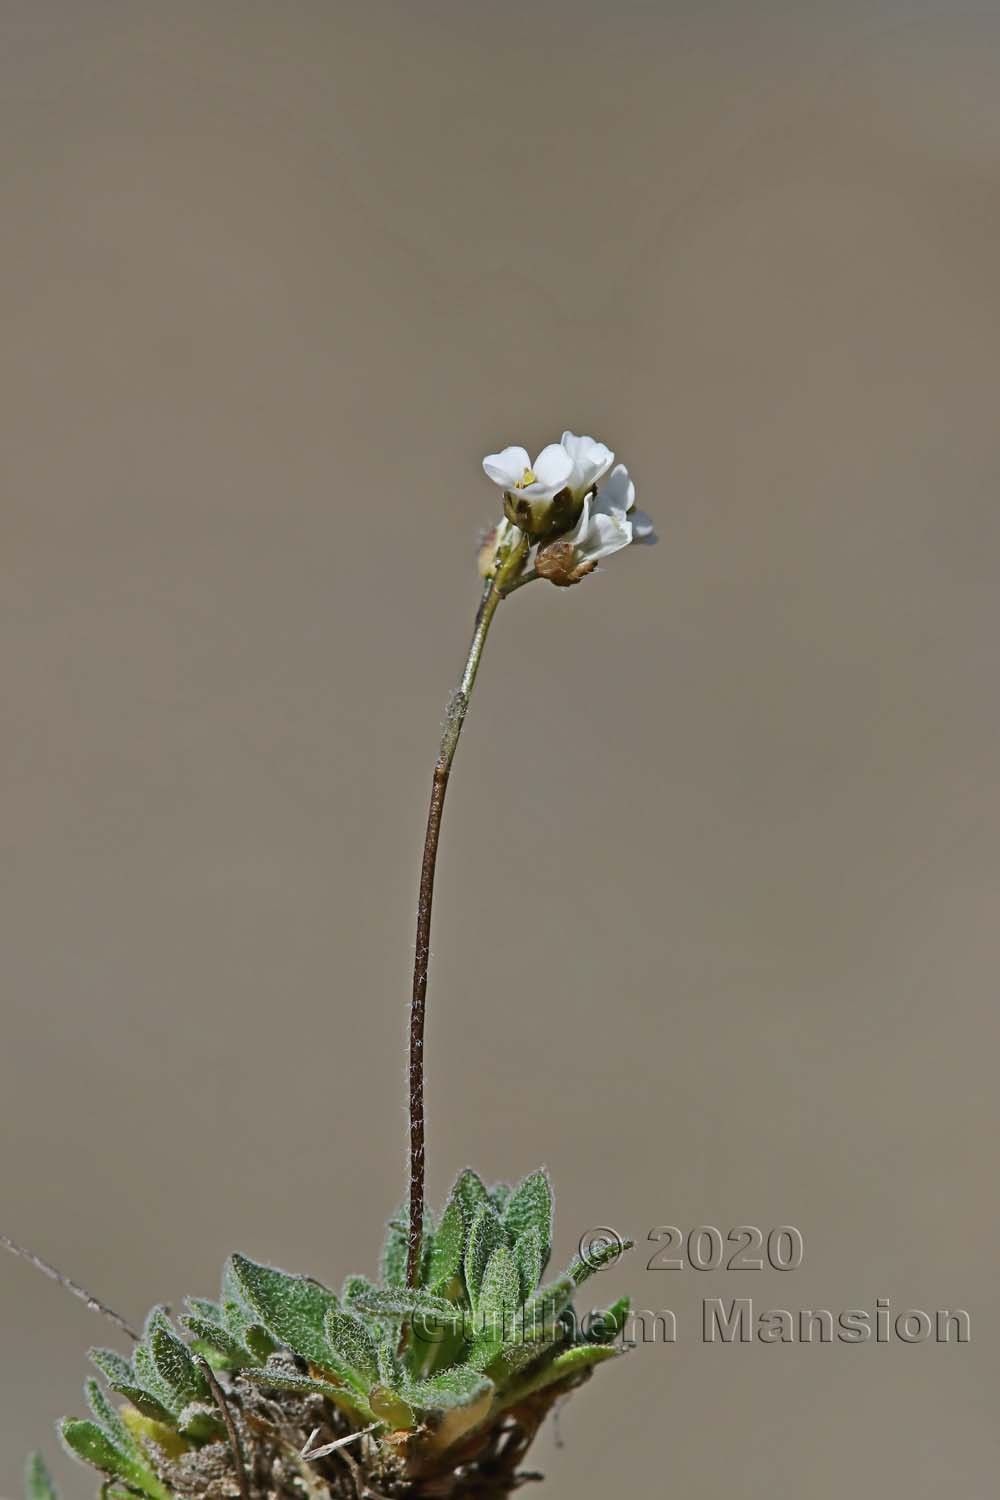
[
  {"x": 64, "y": 1281},
  {"x": 506, "y": 575}
]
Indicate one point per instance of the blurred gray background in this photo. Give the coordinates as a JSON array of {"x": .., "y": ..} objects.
[{"x": 274, "y": 278}]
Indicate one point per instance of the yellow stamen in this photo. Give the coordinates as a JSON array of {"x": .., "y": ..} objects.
[{"x": 528, "y": 477}]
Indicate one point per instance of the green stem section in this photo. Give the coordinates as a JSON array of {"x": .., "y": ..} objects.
[{"x": 505, "y": 577}]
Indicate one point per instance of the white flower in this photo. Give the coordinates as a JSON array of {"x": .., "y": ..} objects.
[
  {"x": 537, "y": 497},
  {"x": 513, "y": 471},
  {"x": 618, "y": 494},
  {"x": 591, "y": 461},
  {"x": 544, "y": 498},
  {"x": 608, "y": 522}
]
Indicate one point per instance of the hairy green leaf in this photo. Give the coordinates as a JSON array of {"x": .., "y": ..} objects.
[
  {"x": 155, "y": 1318},
  {"x": 390, "y": 1408},
  {"x": 91, "y": 1443},
  {"x": 116, "y": 1371},
  {"x": 353, "y": 1288},
  {"x": 567, "y": 1366},
  {"x": 530, "y": 1208},
  {"x": 109, "y": 1418},
  {"x": 241, "y": 1321},
  {"x": 601, "y": 1256},
  {"x": 392, "y": 1264},
  {"x": 219, "y": 1339},
  {"x": 498, "y": 1195},
  {"x": 351, "y": 1341},
  {"x": 37, "y": 1483},
  {"x": 176, "y": 1368},
  {"x": 148, "y": 1378},
  {"x": 283, "y": 1379},
  {"x": 406, "y": 1302},
  {"x": 470, "y": 1190},
  {"x": 499, "y": 1298},
  {"x": 458, "y": 1386},
  {"x": 201, "y": 1422},
  {"x": 529, "y": 1261},
  {"x": 485, "y": 1236},
  {"x": 292, "y": 1308},
  {"x": 145, "y": 1403},
  {"x": 606, "y": 1326},
  {"x": 449, "y": 1242},
  {"x": 390, "y": 1371},
  {"x": 543, "y": 1310},
  {"x": 211, "y": 1312}
]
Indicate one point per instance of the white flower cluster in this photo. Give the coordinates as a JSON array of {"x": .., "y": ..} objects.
[{"x": 566, "y": 487}]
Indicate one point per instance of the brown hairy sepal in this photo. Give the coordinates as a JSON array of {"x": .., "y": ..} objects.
[{"x": 557, "y": 562}]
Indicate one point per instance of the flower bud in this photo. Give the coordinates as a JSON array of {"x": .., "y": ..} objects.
[{"x": 559, "y": 563}]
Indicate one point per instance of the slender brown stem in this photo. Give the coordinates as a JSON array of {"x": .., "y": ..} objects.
[
  {"x": 230, "y": 1426},
  {"x": 64, "y": 1281},
  {"x": 494, "y": 591}
]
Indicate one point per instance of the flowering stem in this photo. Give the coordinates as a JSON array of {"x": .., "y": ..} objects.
[
  {"x": 528, "y": 576},
  {"x": 506, "y": 575}
]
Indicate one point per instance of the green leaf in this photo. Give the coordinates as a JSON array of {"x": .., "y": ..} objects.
[
  {"x": 201, "y": 1422},
  {"x": 498, "y": 1195},
  {"x": 499, "y": 1298},
  {"x": 528, "y": 1259},
  {"x": 470, "y": 1190},
  {"x": 449, "y": 1242},
  {"x": 94, "y": 1446},
  {"x": 156, "y": 1318},
  {"x": 390, "y": 1371},
  {"x": 210, "y": 1312},
  {"x": 148, "y": 1378},
  {"x": 355, "y": 1347},
  {"x": 485, "y": 1236},
  {"x": 607, "y": 1325},
  {"x": 406, "y": 1302},
  {"x": 392, "y": 1264},
  {"x": 292, "y": 1308},
  {"x": 145, "y": 1403},
  {"x": 603, "y": 1255},
  {"x": 176, "y": 1368},
  {"x": 458, "y": 1386},
  {"x": 353, "y": 1288},
  {"x": 530, "y": 1208},
  {"x": 240, "y": 1321},
  {"x": 115, "y": 1370},
  {"x": 283, "y": 1379},
  {"x": 109, "y": 1418},
  {"x": 390, "y": 1408},
  {"x": 213, "y": 1334},
  {"x": 37, "y": 1484},
  {"x": 569, "y": 1365},
  {"x": 543, "y": 1310}
]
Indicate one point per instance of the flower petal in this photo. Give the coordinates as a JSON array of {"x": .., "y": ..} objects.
[
  {"x": 506, "y": 467},
  {"x": 618, "y": 490},
  {"x": 607, "y": 534},
  {"x": 553, "y": 467},
  {"x": 591, "y": 460}
]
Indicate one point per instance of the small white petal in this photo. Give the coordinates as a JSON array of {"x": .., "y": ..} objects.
[
  {"x": 506, "y": 467},
  {"x": 607, "y": 534},
  {"x": 618, "y": 490},
  {"x": 582, "y": 526},
  {"x": 591, "y": 461},
  {"x": 553, "y": 467}
]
